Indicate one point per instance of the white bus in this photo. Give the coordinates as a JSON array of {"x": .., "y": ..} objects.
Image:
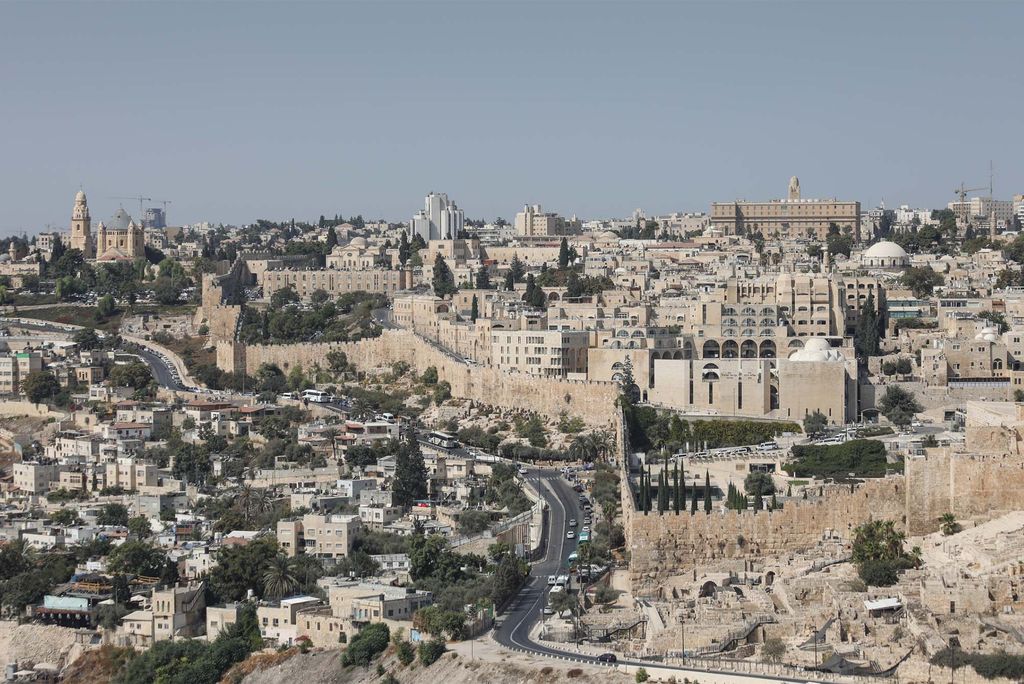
[{"x": 317, "y": 396}]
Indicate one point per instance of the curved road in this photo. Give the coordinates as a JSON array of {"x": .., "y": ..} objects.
[
  {"x": 522, "y": 614},
  {"x": 163, "y": 371},
  {"x": 525, "y": 609}
]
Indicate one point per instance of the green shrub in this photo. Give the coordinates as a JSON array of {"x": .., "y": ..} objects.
[
  {"x": 366, "y": 645},
  {"x": 878, "y": 573},
  {"x": 405, "y": 652},
  {"x": 856, "y": 458},
  {"x": 430, "y": 651},
  {"x": 641, "y": 675}
]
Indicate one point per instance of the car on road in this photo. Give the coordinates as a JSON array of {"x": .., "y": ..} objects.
[
  {"x": 571, "y": 534},
  {"x": 586, "y": 528},
  {"x": 587, "y": 520},
  {"x": 607, "y": 658},
  {"x": 548, "y": 610},
  {"x": 572, "y": 523},
  {"x": 522, "y": 470},
  {"x": 552, "y": 580}
]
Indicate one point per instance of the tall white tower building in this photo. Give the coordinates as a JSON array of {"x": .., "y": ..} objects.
[{"x": 440, "y": 219}]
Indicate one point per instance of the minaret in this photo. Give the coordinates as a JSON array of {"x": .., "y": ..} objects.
[
  {"x": 81, "y": 238},
  {"x": 13, "y": 251},
  {"x": 101, "y": 239}
]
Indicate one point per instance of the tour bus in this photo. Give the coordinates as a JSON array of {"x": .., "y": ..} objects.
[
  {"x": 442, "y": 440},
  {"x": 317, "y": 396}
]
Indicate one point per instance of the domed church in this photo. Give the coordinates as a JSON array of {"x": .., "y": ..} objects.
[{"x": 124, "y": 240}]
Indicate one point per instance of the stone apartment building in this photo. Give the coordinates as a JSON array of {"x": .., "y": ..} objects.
[
  {"x": 35, "y": 478},
  {"x": 14, "y": 368},
  {"x": 174, "y": 612},
  {"x": 548, "y": 353},
  {"x": 327, "y": 537}
]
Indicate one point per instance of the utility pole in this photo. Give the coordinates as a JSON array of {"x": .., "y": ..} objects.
[{"x": 682, "y": 633}]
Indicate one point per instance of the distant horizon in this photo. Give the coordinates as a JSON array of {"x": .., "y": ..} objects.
[
  {"x": 593, "y": 109},
  {"x": 98, "y": 216}
]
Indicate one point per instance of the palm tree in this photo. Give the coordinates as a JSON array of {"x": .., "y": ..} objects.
[
  {"x": 279, "y": 579},
  {"x": 602, "y": 442},
  {"x": 609, "y": 510},
  {"x": 582, "y": 449},
  {"x": 948, "y": 524},
  {"x": 253, "y": 502},
  {"x": 332, "y": 434}
]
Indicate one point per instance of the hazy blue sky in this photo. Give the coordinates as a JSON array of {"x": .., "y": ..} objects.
[{"x": 236, "y": 110}]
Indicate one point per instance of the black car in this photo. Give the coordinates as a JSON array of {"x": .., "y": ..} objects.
[{"x": 607, "y": 658}]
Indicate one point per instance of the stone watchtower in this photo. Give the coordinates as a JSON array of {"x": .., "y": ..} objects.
[
  {"x": 81, "y": 237},
  {"x": 794, "y": 188}
]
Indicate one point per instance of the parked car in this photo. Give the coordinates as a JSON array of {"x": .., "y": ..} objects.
[
  {"x": 571, "y": 534},
  {"x": 607, "y": 658}
]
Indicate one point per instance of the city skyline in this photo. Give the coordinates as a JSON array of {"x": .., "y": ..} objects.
[{"x": 363, "y": 109}]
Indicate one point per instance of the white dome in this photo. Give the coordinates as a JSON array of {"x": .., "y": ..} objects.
[
  {"x": 885, "y": 250},
  {"x": 817, "y": 344},
  {"x": 607, "y": 235},
  {"x": 358, "y": 242},
  {"x": 988, "y": 334},
  {"x": 818, "y": 350}
]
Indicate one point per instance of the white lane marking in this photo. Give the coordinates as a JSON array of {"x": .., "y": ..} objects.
[{"x": 561, "y": 548}]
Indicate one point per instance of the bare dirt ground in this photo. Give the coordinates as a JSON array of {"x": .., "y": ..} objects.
[{"x": 485, "y": 661}]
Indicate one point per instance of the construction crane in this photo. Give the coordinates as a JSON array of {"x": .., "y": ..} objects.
[
  {"x": 140, "y": 200},
  {"x": 961, "y": 192}
]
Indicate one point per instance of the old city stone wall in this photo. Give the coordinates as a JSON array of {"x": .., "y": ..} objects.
[
  {"x": 970, "y": 486},
  {"x": 663, "y": 545},
  {"x": 594, "y": 402}
]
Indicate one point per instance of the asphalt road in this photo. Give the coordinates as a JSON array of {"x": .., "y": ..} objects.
[
  {"x": 522, "y": 614},
  {"x": 525, "y": 609},
  {"x": 162, "y": 370}
]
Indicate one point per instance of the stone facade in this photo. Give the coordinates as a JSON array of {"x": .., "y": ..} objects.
[
  {"x": 664, "y": 545},
  {"x": 594, "y": 402}
]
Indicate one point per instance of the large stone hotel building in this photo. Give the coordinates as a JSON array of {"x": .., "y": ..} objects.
[{"x": 792, "y": 217}]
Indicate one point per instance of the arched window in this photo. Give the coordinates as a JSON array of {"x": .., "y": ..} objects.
[{"x": 711, "y": 350}]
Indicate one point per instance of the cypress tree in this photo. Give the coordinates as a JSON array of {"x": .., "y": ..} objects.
[
  {"x": 563, "y": 254},
  {"x": 758, "y": 502},
  {"x": 707, "y": 492},
  {"x": 474, "y": 310},
  {"x": 661, "y": 491},
  {"x": 676, "y": 503},
  {"x": 641, "y": 495},
  {"x": 693, "y": 501}
]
